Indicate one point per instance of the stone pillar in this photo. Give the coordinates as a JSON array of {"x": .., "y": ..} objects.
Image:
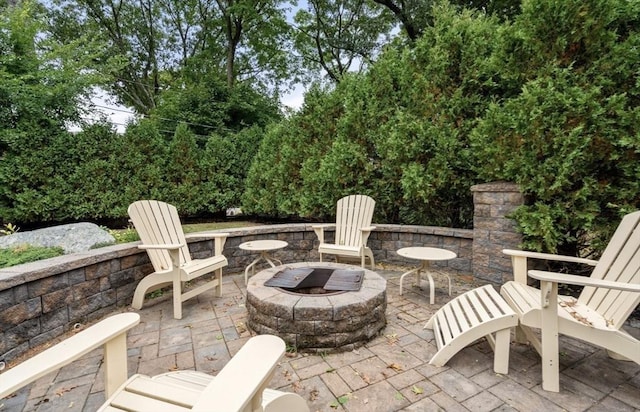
[{"x": 493, "y": 230}]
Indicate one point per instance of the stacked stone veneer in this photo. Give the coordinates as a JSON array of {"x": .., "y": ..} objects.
[
  {"x": 493, "y": 230},
  {"x": 42, "y": 300}
]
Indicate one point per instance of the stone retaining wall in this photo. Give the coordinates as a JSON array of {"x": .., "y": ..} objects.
[{"x": 42, "y": 300}]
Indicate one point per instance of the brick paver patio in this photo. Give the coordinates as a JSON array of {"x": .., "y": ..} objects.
[{"x": 390, "y": 373}]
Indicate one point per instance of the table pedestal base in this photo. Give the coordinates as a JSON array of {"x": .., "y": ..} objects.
[
  {"x": 263, "y": 256},
  {"x": 424, "y": 267}
]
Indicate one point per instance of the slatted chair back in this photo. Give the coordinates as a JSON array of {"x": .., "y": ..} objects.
[
  {"x": 158, "y": 223},
  {"x": 352, "y": 214},
  {"x": 620, "y": 262}
]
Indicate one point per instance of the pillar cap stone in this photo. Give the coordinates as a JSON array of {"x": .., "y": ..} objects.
[{"x": 498, "y": 186}]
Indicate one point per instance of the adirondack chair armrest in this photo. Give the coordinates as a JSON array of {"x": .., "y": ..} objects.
[
  {"x": 110, "y": 332},
  {"x": 549, "y": 256},
  {"x": 219, "y": 239},
  {"x": 366, "y": 232},
  {"x": 241, "y": 382},
  {"x": 519, "y": 261},
  {"x": 319, "y": 229},
  {"x": 174, "y": 246},
  {"x": 554, "y": 277}
]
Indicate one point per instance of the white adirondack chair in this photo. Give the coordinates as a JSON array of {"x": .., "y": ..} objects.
[
  {"x": 352, "y": 230},
  {"x": 162, "y": 237},
  {"x": 609, "y": 296},
  {"x": 239, "y": 386}
]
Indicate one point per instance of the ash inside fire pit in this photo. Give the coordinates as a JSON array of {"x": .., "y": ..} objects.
[{"x": 317, "y": 281}]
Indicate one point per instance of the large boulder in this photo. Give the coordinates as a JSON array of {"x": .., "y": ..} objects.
[{"x": 75, "y": 237}]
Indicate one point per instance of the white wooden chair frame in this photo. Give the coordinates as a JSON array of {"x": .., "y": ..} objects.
[
  {"x": 352, "y": 230},
  {"x": 480, "y": 312},
  {"x": 611, "y": 293},
  {"x": 162, "y": 237},
  {"x": 239, "y": 386}
]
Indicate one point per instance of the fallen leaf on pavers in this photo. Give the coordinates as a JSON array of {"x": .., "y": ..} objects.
[
  {"x": 357, "y": 352},
  {"x": 399, "y": 396},
  {"x": 70, "y": 405},
  {"x": 296, "y": 386},
  {"x": 340, "y": 401},
  {"x": 394, "y": 366},
  {"x": 343, "y": 399},
  {"x": 367, "y": 379},
  {"x": 287, "y": 375},
  {"x": 313, "y": 395},
  {"x": 365, "y": 401},
  {"x": 240, "y": 326},
  {"x": 40, "y": 402},
  {"x": 62, "y": 391},
  {"x": 291, "y": 354},
  {"x": 416, "y": 390},
  {"x": 173, "y": 368},
  {"x": 210, "y": 358},
  {"x": 392, "y": 338},
  {"x": 384, "y": 374}
]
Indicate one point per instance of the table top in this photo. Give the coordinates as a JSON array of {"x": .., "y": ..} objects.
[
  {"x": 262, "y": 245},
  {"x": 426, "y": 253}
]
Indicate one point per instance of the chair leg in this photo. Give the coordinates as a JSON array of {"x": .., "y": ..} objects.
[
  {"x": 219, "y": 287},
  {"x": 501, "y": 351},
  {"x": 177, "y": 298},
  {"x": 549, "y": 337},
  {"x": 149, "y": 283}
]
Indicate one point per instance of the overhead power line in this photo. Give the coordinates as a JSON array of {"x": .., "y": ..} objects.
[
  {"x": 152, "y": 117},
  {"x": 125, "y": 124}
]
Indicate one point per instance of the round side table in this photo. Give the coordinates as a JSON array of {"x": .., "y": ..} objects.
[
  {"x": 264, "y": 247},
  {"x": 425, "y": 255}
]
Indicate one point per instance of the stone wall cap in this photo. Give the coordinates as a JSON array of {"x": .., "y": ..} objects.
[{"x": 499, "y": 186}]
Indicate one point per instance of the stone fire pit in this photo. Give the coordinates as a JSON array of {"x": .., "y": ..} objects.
[{"x": 318, "y": 323}]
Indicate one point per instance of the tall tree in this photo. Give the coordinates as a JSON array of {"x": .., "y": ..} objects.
[
  {"x": 134, "y": 33},
  {"x": 339, "y": 36},
  {"x": 415, "y": 15},
  {"x": 156, "y": 38},
  {"x": 254, "y": 37},
  {"x": 42, "y": 86}
]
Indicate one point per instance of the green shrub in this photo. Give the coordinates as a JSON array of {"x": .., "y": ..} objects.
[
  {"x": 550, "y": 100},
  {"x": 571, "y": 138},
  {"x": 124, "y": 235},
  {"x": 24, "y": 254}
]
